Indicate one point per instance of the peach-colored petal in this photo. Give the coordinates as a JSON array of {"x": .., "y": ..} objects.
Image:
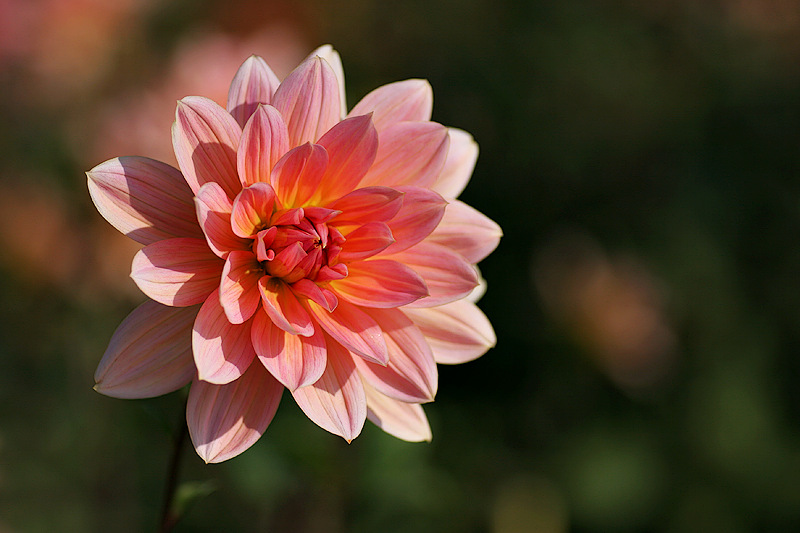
[
  {"x": 353, "y": 329},
  {"x": 456, "y": 332},
  {"x": 403, "y": 420},
  {"x": 252, "y": 209},
  {"x": 409, "y": 153},
  {"x": 458, "y": 166},
  {"x": 380, "y": 283},
  {"x": 265, "y": 139},
  {"x": 225, "y": 420},
  {"x": 370, "y": 204},
  {"x": 145, "y": 199},
  {"x": 150, "y": 353},
  {"x": 401, "y": 101},
  {"x": 222, "y": 351},
  {"x": 323, "y": 296},
  {"x": 336, "y": 402},
  {"x": 309, "y": 101},
  {"x": 294, "y": 360},
  {"x": 447, "y": 274},
  {"x": 410, "y": 375},
  {"x": 238, "y": 287},
  {"x": 298, "y": 174},
  {"x": 421, "y": 212},
  {"x": 352, "y": 145},
  {"x": 177, "y": 272},
  {"x": 467, "y": 231},
  {"x": 214, "y": 214},
  {"x": 330, "y": 55},
  {"x": 366, "y": 241},
  {"x": 205, "y": 138},
  {"x": 283, "y": 308},
  {"x": 253, "y": 84}
]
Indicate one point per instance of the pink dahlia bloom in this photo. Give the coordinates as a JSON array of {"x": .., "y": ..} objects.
[{"x": 298, "y": 247}]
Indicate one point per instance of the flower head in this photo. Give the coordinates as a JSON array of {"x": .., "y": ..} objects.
[{"x": 298, "y": 247}]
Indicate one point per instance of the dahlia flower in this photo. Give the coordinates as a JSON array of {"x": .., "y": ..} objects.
[{"x": 299, "y": 247}]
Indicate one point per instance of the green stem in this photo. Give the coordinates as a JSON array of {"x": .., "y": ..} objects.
[{"x": 168, "y": 517}]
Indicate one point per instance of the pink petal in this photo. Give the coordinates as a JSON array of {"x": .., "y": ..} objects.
[
  {"x": 467, "y": 231},
  {"x": 283, "y": 308},
  {"x": 324, "y": 297},
  {"x": 353, "y": 329},
  {"x": 309, "y": 101},
  {"x": 253, "y": 84},
  {"x": 421, "y": 212},
  {"x": 380, "y": 283},
  {"x": 410, "y": 375},
  {"x": 205, "y": 138},
  {"x": 352, "y": 145},
  {"x": 177, "y": 272},
  {"x": 297, "y": 175},
  {"x": 370, "y": 204},
  {"x": 403, "y": 420},
  {"x": 225, "y": 420},
  {"x": 150, "y": 353},
  {"x": 295, "y": 361},
  {"x": 330, "y": 55},
  {"x": 456, "y": 332},
  {"x": 264, "y": 141},
  {"x": 336, "y": 402},
  {"x": 459, "y": 164},
  {"x": 366, "y": 241},
  {"x": 252, "y": 209},
  {"x": 238, "y": 288},
  {"x": 449, "y": 276},
  {"x": 214, "y": 214},
  {"x": 402, "y": 101},
  {"x": 145, "y": 199},
  {"x": 409, "y": 153},
  {"x": 222, "y": 351}
]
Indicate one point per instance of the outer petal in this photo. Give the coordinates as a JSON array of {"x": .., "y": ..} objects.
[
  {"x": 370, "y": 204},
  {"x": 410, "y": 375},
  {"x": 150, "y": 353},
  {"x": 295, "y": 361},
  {"x": 214, "y": 214},
  {"x": 225, "y": 420},
  {"x": 205, "y": 138},
  {"x": 336, "y": 402},
  {"x": 467, "y": 231},
  {"x": 177, "y": 272},
  {"x": 449, "y": 276},
  {"x": 283, "y": 308},
  {"x": 352, "y": 145},
  {"x": 401, "y": 101},
  {"x": 252, "y": 210},
  {"x": 456, "y": 332},
  {"x": 222, "y": 351},
  {"x": 403, "y": 420},
  {"x": 309, "y": 100},
  {"x": 366, "y": 241},
  {"x": 410, "y": 153},
  {"x": 330, "y": 55},
  {"x": 253, "y": 84},
  {"x": 380, "y": 283},
  {"x": 354, "y": 329},
  {"x": 421, "y": 212},
  {"x": 297, "y": 175},
  {"x": 264, "y": 141},
  {"x": 145, "y": 199},
  {"x": 459, "y": 164},
  {"x": 238, "y": 288}
]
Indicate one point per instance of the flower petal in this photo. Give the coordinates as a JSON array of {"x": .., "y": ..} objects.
[
  {"x": 458, "y": 166},
  {"x": 225, "y": 420},
  {"x": 253, "y": 84},
  {"x": 456, "y": 332},
  {"x": 467, "y": 231},
  {"x": 336, "y": 402},
  {"x": 177, "y": 272},
  {"x": 205, "y": 138},
  {"x": 330, "y": 55},
  {"x": 283, "y": 308},
  {"x": 309, "y": 101},
  {"x": 421, "y": 212},
  {"x": 380, "y": 283},
  {"x": 403, "y": 420},
  {"x": 409, "y": 153},
  {"x": 294, "y": 360},
  {"x": 214, "y": 214},
  {"x": 366, "y": 241},
  {"x": 410, "y": 375},
  {"x": 370, "y": 204},
  {"x": 401, "y": 101},
  {"x": 252, "y": 209},
  {"x": 353, "y": 329},
  {"x": 264, "y": 141},
  {"x": 238, "y": 288},
  {"x": 351, "y": 145},
  {"x": 150, "y": 353},
  {"x": 222, "y": 351},
  {"x": 143, "y": 198},
  {"x": 298, "y": 174}
]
